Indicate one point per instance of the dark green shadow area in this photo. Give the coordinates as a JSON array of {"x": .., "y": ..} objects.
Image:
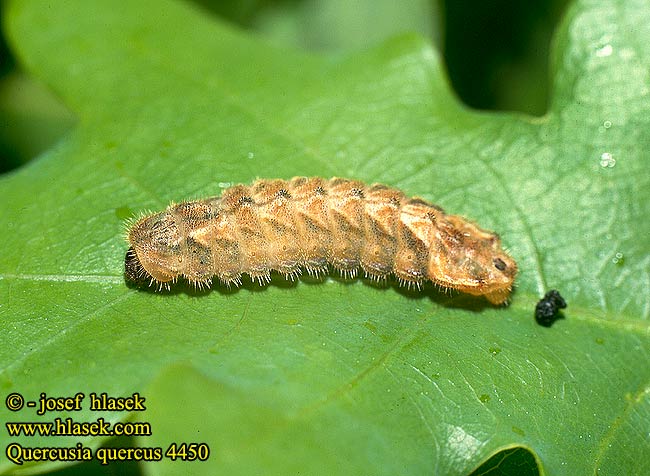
[{"x": 517, "y": 461}]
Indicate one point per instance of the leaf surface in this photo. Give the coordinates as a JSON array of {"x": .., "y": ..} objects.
[{"x": 334, "y": 377}]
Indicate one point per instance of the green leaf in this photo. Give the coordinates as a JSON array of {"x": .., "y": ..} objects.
[
  {"x": 343, "y": 25},
  {"x": 334, "y": 377}
]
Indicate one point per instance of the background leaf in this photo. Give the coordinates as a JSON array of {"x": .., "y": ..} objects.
[{"x": 336, "y": 377}]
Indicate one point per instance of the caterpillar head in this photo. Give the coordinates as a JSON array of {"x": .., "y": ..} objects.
[{"x": 472, "y": 261}]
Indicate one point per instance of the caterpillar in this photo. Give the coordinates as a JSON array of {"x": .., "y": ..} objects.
[{"x": 311, "y": 224}]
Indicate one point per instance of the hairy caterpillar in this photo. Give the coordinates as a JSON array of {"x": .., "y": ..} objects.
[{"x": 310, "y": 223}]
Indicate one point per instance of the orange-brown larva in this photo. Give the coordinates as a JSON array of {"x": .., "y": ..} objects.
[{"x": 313, "y": 223}]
